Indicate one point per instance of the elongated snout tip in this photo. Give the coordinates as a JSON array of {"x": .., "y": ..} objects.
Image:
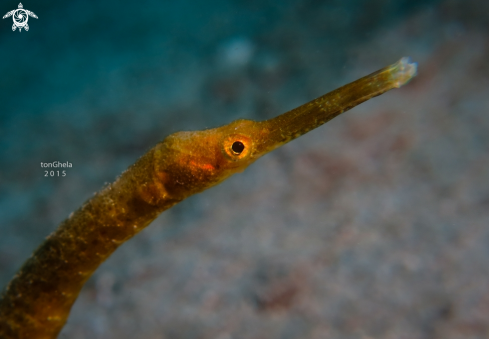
[{"x": 403, "y": 71}]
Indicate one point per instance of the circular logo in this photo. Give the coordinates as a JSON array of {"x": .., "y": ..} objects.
[{"x": 20, "y": 17}]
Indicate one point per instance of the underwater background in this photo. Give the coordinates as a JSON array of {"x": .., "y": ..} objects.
[{"x": 375, "y": 225}]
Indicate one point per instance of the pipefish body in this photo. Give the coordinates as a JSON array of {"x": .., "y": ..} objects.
[{"x": 37, "y": 301}]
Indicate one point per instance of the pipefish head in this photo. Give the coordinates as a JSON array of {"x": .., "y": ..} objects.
[{"x": 190, "y": 162}]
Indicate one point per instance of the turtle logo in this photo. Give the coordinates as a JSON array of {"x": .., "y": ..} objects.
[{"x": 20, "y": 17}]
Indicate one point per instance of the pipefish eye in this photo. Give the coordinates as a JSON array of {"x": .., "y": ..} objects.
[{"x": 237, "y": 146}]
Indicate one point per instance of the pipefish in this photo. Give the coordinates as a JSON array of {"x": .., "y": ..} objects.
[{"x": 37, "y": 302}]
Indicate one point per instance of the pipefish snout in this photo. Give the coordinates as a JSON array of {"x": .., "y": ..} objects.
[{"x": 37, "y": 301}]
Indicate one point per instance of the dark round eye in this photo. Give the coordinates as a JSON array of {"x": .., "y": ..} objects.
[{"x": 237, "y": 147}]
